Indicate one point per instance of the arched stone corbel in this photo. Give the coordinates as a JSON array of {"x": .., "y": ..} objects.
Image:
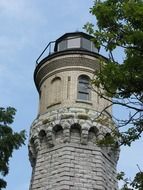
[
  {"x": 49, "y": 135},
  {"x": 116, "y": 154},
  {"x": 36, "y": 141},
  {"x": 32, "y": 154},
  {"x": 37, "y": 144},
  {"x": 101, "y": 132},
  {"x": 34, "y": 146},
  {"x": 84, "y": 133},
  {"x": 66, "y": 127}
]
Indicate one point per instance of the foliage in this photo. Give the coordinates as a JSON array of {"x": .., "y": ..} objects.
[
  {"x": 9, "y": 141},
  {"x": 136, "y": 183},
  {"x": 120, "y": 25},
  {"x": 120, "y": 28}
]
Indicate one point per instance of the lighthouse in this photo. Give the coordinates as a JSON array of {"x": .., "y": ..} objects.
[{"x": 63, "y": 148}]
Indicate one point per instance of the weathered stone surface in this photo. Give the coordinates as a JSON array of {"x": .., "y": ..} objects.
[
  {"x": 81, "y": 165},
  {"x": 62, "y": 145}
]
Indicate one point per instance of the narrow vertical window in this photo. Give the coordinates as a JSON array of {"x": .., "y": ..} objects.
[
  {"x": 68, "y": 86},
  {"x": 83, "y": 88},
  {"x": 56, "y": 90}
]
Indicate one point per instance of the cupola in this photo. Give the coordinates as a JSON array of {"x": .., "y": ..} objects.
[{"x": 75, "y": 40}]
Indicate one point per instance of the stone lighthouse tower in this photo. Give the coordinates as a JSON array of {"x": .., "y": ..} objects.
[{"x": 63, "y": 146}]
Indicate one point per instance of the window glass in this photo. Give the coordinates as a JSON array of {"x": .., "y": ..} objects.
[
  {"x": 62, "y": 45},
  {"x": 77, "y": 42},
  {"x": 83, "y": 88},
  {"x": 94, "y": 49},
  {"x": 86, "y": 44},
  {"x": 73, "y": 43},
  {"x": 83, "y": 96}
]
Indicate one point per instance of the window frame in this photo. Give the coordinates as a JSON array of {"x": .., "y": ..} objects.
[{"x": 83, "y": 90}]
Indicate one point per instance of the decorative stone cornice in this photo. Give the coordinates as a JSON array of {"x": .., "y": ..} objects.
[{"x": 65, "y": 121}]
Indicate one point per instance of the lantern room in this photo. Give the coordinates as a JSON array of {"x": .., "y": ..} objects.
[{"x": 75, "y": 40}]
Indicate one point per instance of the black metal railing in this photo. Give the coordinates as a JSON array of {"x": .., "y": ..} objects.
[{"x": 49, "y": 48}]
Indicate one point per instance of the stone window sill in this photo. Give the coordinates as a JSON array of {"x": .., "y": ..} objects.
[
  {"x": 53, "y": 104},
  {"x": 84, "y": 101}
]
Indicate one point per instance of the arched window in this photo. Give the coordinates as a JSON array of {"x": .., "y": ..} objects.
[
  {"x": 56, "y": 90},
  {"x": 83, "y": 88}
]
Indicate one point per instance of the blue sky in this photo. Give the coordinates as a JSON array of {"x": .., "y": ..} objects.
[{"x": 26, "y": 28}]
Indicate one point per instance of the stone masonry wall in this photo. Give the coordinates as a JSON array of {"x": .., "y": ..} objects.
[
  {"x": 64, "y": 153},
  {"x": 63, "y": 148},
  {"x": 73, "y": 167},
  {"x": 68, "y": 68}
]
